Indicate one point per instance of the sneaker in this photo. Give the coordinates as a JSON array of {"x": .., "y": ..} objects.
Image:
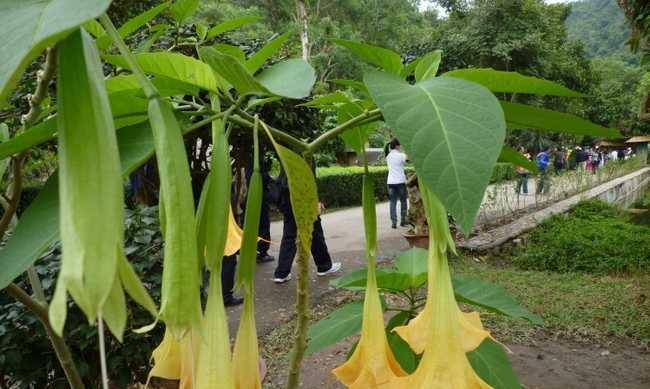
[
  {"x": 232, "y": 301},
  {"x": 279, "y": 280},
  {"x": 393, "y": 226},
  {"x": 336, "y": 266},
  {"x": 265, "y": 258}
]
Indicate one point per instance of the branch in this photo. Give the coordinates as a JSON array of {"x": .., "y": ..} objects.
[
  {"x": 60, "y": 347},
  {"x": 43, "y": 78},
  {"x": 293, "y": 143},
  {"x": 16, "y": 192},
  {"x": 366, "y": 117}
]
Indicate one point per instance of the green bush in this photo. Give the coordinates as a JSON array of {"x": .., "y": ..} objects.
[
  {"x": 339, "y": 186},
  {"x": 27, "y": 359},
  {"x": 594, "y": 238}
]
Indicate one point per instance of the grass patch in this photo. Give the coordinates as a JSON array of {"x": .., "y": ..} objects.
[
  {"x": 594, "y": 237},
  {"x": 580, "y": 306}
]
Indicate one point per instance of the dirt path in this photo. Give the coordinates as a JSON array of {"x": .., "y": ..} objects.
[{"x": 547, "y": 364}]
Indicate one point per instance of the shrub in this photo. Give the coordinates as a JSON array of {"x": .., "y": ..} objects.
[
  {"x": 594, "y": 237},
  {"x": 27, "y": 359},
  {"x": 339, "y": 186}
]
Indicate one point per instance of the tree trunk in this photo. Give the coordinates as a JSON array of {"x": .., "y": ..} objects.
[{"x": 301, "y": 12}]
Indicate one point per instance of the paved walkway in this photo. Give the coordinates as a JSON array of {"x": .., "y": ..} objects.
[{"x": 345, "y": 238}]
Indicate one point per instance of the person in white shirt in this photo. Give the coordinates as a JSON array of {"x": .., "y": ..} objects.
[{"x": 396, "y": 160}]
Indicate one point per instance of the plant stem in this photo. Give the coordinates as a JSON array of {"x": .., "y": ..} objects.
[
  {"x": 63, "y": 353},
  {"x": 293, "y": 143},
  {"x": 102, "y": 351},
  {"x": 302, "y": 310},
  {"x": 363, "y": 118},
  {"x": 149, "y": 89}
]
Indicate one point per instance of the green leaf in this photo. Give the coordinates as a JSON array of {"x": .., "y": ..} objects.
[
  {"x": 28, "y": 27},
  {"x": 156, "y": 32},
  {"x": 292, "y": 78},
  {"x": 258, "y": 59},
  {"x": 495, "y": 298},
  {"x": 428, "y": 66},
  {"x": 403, "y": 353},
  {"x": 378, "y": 56},
  {"x": 91, "y": 236},
  {"x": 453, "y": 131},
  {"x": 512, "y": 82},
  {"x": 520, "y": 116},
  {"x": 201, "y": 30},
  {"x": 180, "y": 281},
  {"x": 413, "y": 264},
  {"x": 231, "y": 24},
  {"x": 114, "y": 310},
  {"x": 94, "y": 28},
  {"x": 134, "y": 287},
  {"x": 330, "y": 100},
  {"x": 357, "y": 85},
  {"x": 183, "y": 9},
  {"x": 165, "y": 86},
  {"x": 338, "y": 325},
  {"x": 491, "y": 363},
  {"x": 176, "y": 66},
  {"x": 231, "y": 50},
  {"x": 387, "y": 279},
  {"x": 132, "y": 25},
  {"x": 257, "y": 102},
  {"x": 232, "y": 70},
  {"x": 508, "y": 154},
  {"x": 34, "y": 136},
  {"x": 355, "y": 137},
  {"x": 303, "y": 193}
]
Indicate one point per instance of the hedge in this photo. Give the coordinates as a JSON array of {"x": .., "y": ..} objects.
[{"x": 340, "y": 186}]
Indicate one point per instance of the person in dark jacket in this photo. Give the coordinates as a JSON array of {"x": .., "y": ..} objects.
[{"x": 288, "y": 248}]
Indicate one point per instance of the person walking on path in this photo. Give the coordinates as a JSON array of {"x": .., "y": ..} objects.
[
  {"x": 560, "y": 161},
  {"x": 522, "y": 174},
  {"x": 396, "y": 181},
  {"x": 319, "y": 251},
  {"x": 543, "y": 159}
]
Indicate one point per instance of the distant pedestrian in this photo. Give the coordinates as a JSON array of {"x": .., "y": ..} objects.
[
  {"x": 560, "y": 160},
  {"x": 543, "y": 160},
  {"x": 522, "y": 174},
  {"x": 396, "y": 181},
  {"x": 288, "y": 248}
]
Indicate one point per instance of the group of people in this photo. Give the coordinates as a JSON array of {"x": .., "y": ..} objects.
[
  {"x": 589, "y": 159},
  {"x": 276, "y": 191}
]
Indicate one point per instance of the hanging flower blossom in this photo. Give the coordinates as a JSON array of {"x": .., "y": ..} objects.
[
  {"x": 444, "y": 363},
  {"x": 372, "y": 365}
]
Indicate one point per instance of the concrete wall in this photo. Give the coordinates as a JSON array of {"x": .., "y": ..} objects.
[{"x": 622, "y": 191}]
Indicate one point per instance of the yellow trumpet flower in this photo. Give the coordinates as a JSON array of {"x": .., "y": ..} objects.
[
  {"x": 372, "y": 365},
  {"x": 200, "y": 362},
  {"x": 444, "y": 363}
]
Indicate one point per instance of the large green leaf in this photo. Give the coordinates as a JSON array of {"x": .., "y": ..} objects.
[
  {"x": 338, "y": 325},
  {"x": 413, "y": 263},
  {"x": 292, "y": 78},
  {"x": 453, "y": 131},
  {"x": 231, "y": 50},
  {"x": 474, "y": 291},
  {"x": 402, "y": 352},
  {"x": 378, "y": 56},
  {"x": 183, "y": 9},
  {"x": 330, "y": 100},
  {"x": 27, "y": 27},
  {"x": 231, "y": 24},
  {"x": 387, "y": 279},
  {"x": 176, "y": 66},
  {"x": 508, "y": 154},
  {"x": 258, "y": 59},
  {"x": 491, "y": 363},
  {"x": 520, "y": 116},
  {"x": 132, "y": 25},
  {"x": 427, "y": 67},
  {"x": 165, "y": 86},
  {"x": 512, "y": 82}
]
